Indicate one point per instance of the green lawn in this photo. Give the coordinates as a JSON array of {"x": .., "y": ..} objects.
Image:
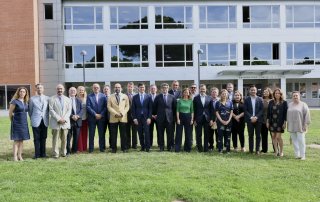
[{"x": 137, "y": 176}]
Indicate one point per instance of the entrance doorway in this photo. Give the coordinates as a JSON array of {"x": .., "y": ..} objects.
[{"x": 260, "y": 84}]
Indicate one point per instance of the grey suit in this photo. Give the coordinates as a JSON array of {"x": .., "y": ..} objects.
[{"x": 39, "y": 116}]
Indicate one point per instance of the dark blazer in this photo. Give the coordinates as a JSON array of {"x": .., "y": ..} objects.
[
  {"x": 212, "y": 108},
  {"x": 200, "y": 110},
  {"x": 165, "y": 110},
  {"x": 248, "y": 111},
  {"x": 282, "y": 116},
  {"x": 107, "y": 116},
  {"x": 177, "y": 95},
  {"x": 94, "y": 108},
  {"x": 79, "y": 112},
  {"x": 137, "y": 109}
]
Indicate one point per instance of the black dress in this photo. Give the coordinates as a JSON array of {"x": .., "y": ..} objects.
[
  {"x": 19, "y": 124},
  {"x": 277, "y": 115}
]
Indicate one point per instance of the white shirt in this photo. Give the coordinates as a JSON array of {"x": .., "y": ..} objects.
[
  {"x": 203, "y": 99},
  {"x": 253, "y": 102}
]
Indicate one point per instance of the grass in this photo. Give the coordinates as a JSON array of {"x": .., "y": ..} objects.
[{"x": 137, "y": 176}]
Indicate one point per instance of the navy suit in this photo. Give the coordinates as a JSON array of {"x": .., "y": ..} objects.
[
  {"x": 74, "y": 131},
  {"x": 93, "y": 108},
  {"x": 152, "y": 124},
  {"x": 176, "y": 94},
  {"x": 107, "y": 123},
  {"x": 202, "y": 117},
  {"x": 248, "y": 113},
  {"x": 165, "y": 112},
  {"x": 142, "y": 112},
  {"x": 131, "y": 128}
]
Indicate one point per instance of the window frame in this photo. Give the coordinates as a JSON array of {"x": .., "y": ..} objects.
[
  {"x": 205, "y": 62},
  {"x": 45, "y": 51},
  {"x": 294, "y": 61},
  {"x": 206, "y": 23},
  {"x": 73, "y": 64},
  {"x": 185, "y": 24},
  {"x": 293, "y": 25},
  {"x": 44, "y": 13},
  {"x": 269, "y": 24},
  {"x": 161, "y": 64},
  {"x": 142, "y": 25},
  {"x": 118, "y": 62},
  {"x": 271, "y": 61}
]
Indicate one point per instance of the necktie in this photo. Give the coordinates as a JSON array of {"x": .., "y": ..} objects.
[
  {"x": 61, "y": 103},
  {"x": 118, "y": 98},
  {"x": 141, "y": 99},
  {"x": 165, "y": 98},
  {"x": 74, "y": 105},
  {"x": 97, "y": 98}
]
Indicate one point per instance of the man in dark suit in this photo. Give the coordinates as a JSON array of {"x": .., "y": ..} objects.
[
  {"x": 253, "y": 112},
  {"x": 107, "y": 92},
  {"x": 141, "y": 113},
  {"x": 175, "y": 89},
  {"x": 96, "y": 110},
  {"x": 75, "y": 121},
  {"x": 153, "y": 94},
  {"x": 164, "y": 110},
  {"x": 202, "y": 117},
  {"x": 131, "y": 128},
  {"x": 213, "y": 130},
  {"x": 230, "y": 89}
]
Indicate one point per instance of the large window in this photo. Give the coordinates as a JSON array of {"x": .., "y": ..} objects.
[
  {"x": 297, "y": 86},
  {"x": 302, "y": 16},
  {"x": 93, "y": 58},
  {"x": 261, "y": 54},
  {"x": 129, "y": 17},
  {"x": 303, "y": 53},
  {"x": 218, "y": 17},
  {"x": 49, "y": 50},
  {"x": 173, "y": 17},
  {"x": 83, "y": 17},
  {"x": 218, "y": 54},
  {"x": 261, "y": 16},
  {"x": 129, "y": 56},
  {"x": 174, "y": 55}
]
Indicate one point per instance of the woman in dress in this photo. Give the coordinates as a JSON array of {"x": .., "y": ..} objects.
[
  {"x": 238, "y": 123},
  {"x": 184, "y": 120},
  {"x": 298, "y": 121},
  {"x": 83, "y": 138},
  {"x": 276, "y": 120},
  {"x": 19, "y": 122},
  {"x": 267, "y": 96},
  {"x": 224, "y": 111}
]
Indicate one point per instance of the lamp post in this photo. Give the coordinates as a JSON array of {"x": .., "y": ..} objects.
[
  {"x": 200, "y": 51},
  {"x": 83, "y": 53}
]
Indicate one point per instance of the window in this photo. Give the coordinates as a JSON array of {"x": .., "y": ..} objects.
[
  {"x": 261, "y": 16},
  {"x": 174, "y": 55},
  {"x": 83, "y": 17},
  {"x": 302, "y": 16},
  {"x": 173, "y": 17},
  {"x": 93, "y": 58},
  {"x": 303, "y": 53},
  {"x": 261, "y": 54},
  {"x": 129, "y": 17},
  {"x": 129, "y": 56},
  {"x": 218, "y": 17},
  {"x": 218, "y": 54},
  {"x": 301, "y": 87},
  {"x": 48, "y": 11},
  {"x": 315, "y": 89},
  {"x": 49, "y": 50}
]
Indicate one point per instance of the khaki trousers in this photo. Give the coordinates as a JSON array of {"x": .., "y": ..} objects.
[{"x": 62, "y": 133}]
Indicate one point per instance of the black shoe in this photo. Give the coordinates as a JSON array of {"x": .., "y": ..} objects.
[
  {"x": 35, "y": 157},
  {"x": 134, "y": 147},
  {"x": 142, "y": 149},
  {"x": 113, "y": 151},
  {"x": 161, "y": 149},
  {"x": 147, "y": 150},
  {"x": 102, "y": 150}
]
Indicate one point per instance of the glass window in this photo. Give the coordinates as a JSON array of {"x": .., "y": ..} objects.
[
  {"x": 93, "y": 58},
  {"x": 301, "y": 87},
  {"x": 83, "y": 17},
  {"x": 173, "y": 17},
  {"x": 129, "y": 17},
  {"x": 261, "y": 54},
  {"x": 302, "y": 16},
  {"x": 129, "y": 56},
  {"x": 315, "y": 89},
  {"x": 303, "y": 53},
  {"x": 223, "y": 54},
  {"x": 49, "y": 50},
  {"x": 218, "y": 17},
  {"x": 261, "y": 16},
  {"x": 48, "y": 11},
  {"x": 174, "y": 55}
]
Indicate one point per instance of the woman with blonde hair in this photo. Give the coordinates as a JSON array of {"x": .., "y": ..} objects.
[
  {"x": 184, "y": 120},
  {"x": 276, "y": 120},
  {"x": 224, "y": 111},
  {"x": 19, "y": 122},
  {"x": 267, "y": 97},
  {"x": 83, "y": 137},
  {"x": 298, "y": 121}
]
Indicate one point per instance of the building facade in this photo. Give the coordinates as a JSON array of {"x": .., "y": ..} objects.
[{"x": 266, "y": 43}]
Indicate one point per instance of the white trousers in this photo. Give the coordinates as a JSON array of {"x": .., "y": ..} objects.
[{"x": 299, "y": 144}]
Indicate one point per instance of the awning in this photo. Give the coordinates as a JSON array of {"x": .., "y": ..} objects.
[{"x": 264, "y": 72}]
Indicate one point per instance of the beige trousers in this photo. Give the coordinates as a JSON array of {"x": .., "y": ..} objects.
[{"x": 62, "y": 133}]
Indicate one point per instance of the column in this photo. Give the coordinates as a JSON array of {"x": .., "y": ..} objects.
[
  {"x": 240, "y": 85},
  {"x": 283, "y": 86}
]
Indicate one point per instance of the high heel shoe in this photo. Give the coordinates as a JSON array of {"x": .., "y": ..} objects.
[
  {"x": 20, "y": 158},
  {"x": 15, "y": 158}
]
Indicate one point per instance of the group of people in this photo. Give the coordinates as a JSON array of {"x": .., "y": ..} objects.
[{"x": 214, "y": 118}]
